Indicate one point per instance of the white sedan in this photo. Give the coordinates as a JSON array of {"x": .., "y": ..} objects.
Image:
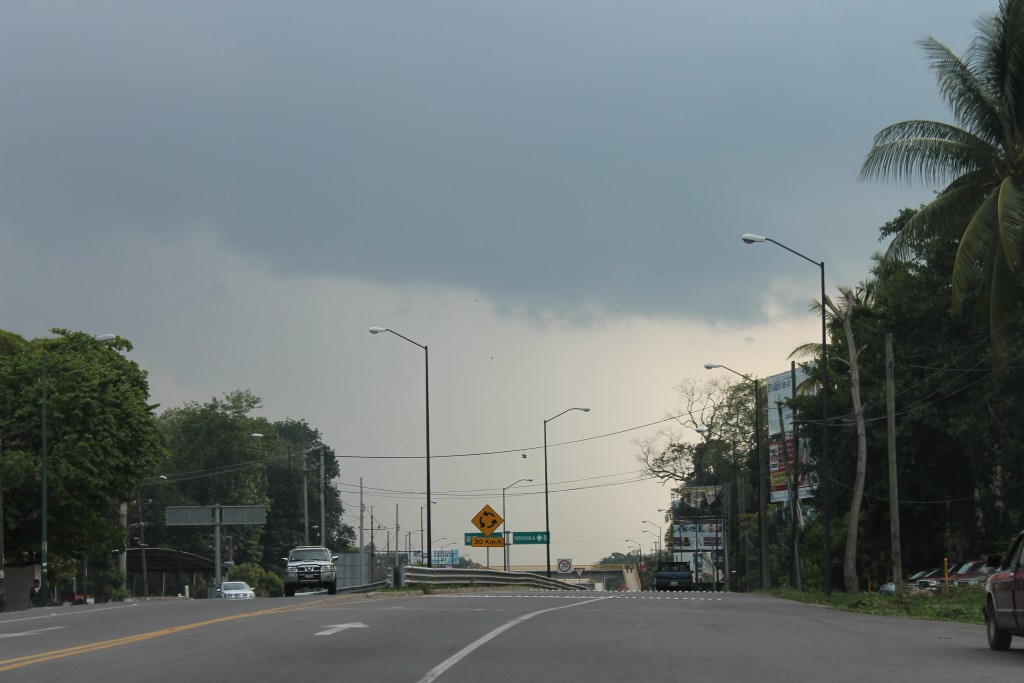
[{"x": 236, "y": 590}]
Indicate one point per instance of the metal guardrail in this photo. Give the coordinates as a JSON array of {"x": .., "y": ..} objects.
[
  {"x": 432, "y": 576},
  {"x": 365, "y": 588}
]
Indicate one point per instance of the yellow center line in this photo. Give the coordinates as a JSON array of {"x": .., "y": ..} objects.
[{"x": 17, "y": 662}]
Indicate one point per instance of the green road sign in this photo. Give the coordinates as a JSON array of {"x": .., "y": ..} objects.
[
  {"x": 534, "y": 537},
  {"x": 470, "y": 537}
]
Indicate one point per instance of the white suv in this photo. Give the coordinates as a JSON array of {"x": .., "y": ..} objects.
[{"x": 310, "y": 567}]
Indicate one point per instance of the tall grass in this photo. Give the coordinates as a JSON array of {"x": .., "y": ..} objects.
[{"x": 961, "y": 604}]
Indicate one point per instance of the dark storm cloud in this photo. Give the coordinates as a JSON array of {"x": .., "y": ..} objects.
[{"x": 549, "y": 155}]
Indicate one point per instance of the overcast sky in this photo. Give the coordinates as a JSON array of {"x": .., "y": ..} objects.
[{"x": 547, "y": 194}]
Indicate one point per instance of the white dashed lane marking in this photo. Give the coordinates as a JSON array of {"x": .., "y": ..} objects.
[{"x": 590, "y": 595}]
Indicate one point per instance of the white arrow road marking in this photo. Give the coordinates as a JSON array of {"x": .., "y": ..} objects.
[
  {"x": 331, "y": 630},
  {"x": 30, "y": 633}
]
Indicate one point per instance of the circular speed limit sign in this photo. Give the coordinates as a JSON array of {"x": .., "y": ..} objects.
[{"x": 564, "y": 566}]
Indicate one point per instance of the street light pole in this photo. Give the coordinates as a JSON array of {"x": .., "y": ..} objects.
[
  {"x": 44, "y": 591},
  {"x": 762, "y": 477},
  {"x": 426, "y": 381},
  {"x": 505, "y": 545},
  {"x": 547, "y": 515},
  {"x": 657, "y": 543},
  {"x": 826, "y": 531},
  {"x": 661, "y": 536}
]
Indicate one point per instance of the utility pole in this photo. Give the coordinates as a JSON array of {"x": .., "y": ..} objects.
[
  {"x": 762, "y": 492},
  {"x": 142, "y": 544},
  {"x": 796, "y": 581},
  {"x": 122, "y": 556},
  {"x": 323, "y": 512},
  {"x": 305, "y": 498},
  {"x": 3, "y": 596},
  {"x": 894, "y": 490},
  {"x": 397, "y": 529},
  {"x": 362, "y": 548}
]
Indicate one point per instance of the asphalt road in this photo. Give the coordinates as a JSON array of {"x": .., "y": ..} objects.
[{"x": 499, "y": 636}]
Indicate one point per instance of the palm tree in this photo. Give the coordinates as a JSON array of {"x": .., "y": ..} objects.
[
  {"x": 842, "y": 311},
  {"x": 981, "y": 160}
]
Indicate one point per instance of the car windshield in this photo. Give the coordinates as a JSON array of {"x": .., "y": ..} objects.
[
  {"x": 236, "y": 586},
  {"x": 310, "y": 554}
]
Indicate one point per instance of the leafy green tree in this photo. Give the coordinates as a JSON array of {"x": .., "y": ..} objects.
[
  {"x": 291, "y": 451},
  {"x": 213, "y": 462},
  {"x": 981, "y": 160},
  {"x": 215, "y": 459},
  {"x": 958, "y": 428},
  {"x": 101, "y": 440}
]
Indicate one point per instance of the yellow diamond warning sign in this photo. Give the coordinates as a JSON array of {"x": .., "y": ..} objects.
[{"x": 487, "y": 520}]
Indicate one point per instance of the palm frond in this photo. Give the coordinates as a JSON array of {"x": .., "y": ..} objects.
[
  {"x": 977, "y": 251},
  {"x": 1011, "y": 222},
  {"x": 809, "y": 350},
  {"x": 999, "y": 47},
  {"x": 931, "y": 151},
  {"x": 1002, "y": 308},
  {"x": 971, "y": 102},
  {"x": 944, "y": 218}
]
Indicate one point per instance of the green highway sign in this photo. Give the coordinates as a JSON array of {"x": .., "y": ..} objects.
[
  {"x": 470, "y": 537},
  {"x": 534, "y": 537}
]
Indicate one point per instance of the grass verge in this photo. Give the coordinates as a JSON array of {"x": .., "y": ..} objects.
[{"x": 961, "y": 605}]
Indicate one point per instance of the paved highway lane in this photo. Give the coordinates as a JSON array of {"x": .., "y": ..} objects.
[{"x": 490, "y": 636}]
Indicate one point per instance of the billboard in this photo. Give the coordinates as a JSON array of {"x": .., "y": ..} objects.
[
  {"x": 794, "y": 465},
  {"x": 449, "y": 557},
  {"x": 780, "y": 389},
  {"x": 701, "y": 542},
  {"x": 787, "y": 456}
]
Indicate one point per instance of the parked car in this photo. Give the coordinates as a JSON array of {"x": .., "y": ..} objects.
[
  {"x": 236, "y": 590},
  {"x": 972, "y": 573},
  {"x": 910, "y": 585},
  {"x": 1004, "y": 593},
  {"x": 887, "y": 588},
  {"x": 934, "y": 580}
]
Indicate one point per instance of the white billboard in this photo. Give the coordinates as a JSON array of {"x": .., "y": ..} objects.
[{"x": 780, "y": 390}]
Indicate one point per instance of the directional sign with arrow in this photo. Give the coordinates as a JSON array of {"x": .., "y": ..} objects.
[{"x": 487, "y": 520}]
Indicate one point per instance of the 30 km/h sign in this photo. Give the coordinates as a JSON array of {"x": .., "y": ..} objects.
[
  {"x": 487, "y": 520},
  {"x": 487, "y": 542}
]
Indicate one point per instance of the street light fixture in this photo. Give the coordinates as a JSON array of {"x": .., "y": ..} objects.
[
  {"x": 426, "y": 380},
  {"x": 826, "y": 532},
  {"x": 661, "y": 535},
  {"x": 449, "y": 545},
  {"x": 547, "y": 515},
  {"x": 762, "y": 475},
  {"x": 44, "y": 591},
  {"x": 505, "y": 550},
  {"x": 657, "y": 543}
]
